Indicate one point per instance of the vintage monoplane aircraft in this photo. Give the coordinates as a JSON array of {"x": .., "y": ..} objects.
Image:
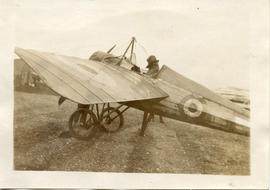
[{"x": 105, "y": 79}]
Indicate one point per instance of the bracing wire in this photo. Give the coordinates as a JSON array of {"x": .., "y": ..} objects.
[{"x": 143, "y": 48}]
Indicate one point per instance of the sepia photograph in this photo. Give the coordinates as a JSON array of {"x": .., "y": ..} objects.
[
  {"x": 135, "y": 87},
  {"x": 151, "y": 91}
]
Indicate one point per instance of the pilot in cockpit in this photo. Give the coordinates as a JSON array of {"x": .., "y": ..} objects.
[{"x": 153, "y": 67}]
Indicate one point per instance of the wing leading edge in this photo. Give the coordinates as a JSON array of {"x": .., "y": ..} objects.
[{"x": 89, "y": 82}]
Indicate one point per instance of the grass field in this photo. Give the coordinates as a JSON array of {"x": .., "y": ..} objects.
[{"x": 42, "y": 142}]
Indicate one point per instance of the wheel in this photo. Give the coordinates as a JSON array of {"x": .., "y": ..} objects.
[
  {"x": 83, "y": 124},
  {"x": 111, "y": 120}
]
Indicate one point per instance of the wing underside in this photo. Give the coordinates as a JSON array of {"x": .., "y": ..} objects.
[{"x": 89, "y": 82}]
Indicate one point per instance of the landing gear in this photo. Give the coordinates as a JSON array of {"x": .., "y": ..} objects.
[
  {"x": 84, "y": 122},
  {"x": 111, "y": 120}
]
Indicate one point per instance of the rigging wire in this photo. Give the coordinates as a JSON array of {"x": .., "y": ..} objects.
[{"x": 143, "y": 48}]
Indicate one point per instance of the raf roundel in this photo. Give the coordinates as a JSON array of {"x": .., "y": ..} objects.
[{"x": 193, "y": 107}]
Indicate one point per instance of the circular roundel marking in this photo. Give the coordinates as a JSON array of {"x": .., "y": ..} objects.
[{"x": 193, "y": 107}]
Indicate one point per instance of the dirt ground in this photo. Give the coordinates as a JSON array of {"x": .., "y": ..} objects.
[{"x": 42, "y": 142}]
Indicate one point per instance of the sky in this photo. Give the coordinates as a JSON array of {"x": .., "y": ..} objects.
[{"x": 206, "y": 41}]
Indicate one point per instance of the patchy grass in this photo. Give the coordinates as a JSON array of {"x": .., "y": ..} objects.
[{"x": 42, "y": 142}]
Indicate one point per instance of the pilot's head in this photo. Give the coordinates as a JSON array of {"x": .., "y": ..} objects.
[{"x": 151, "y": 60}]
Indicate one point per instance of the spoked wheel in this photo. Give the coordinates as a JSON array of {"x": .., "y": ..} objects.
[
  {"x": 83, "y": 124},
  {"x": 111, "y": 120}
]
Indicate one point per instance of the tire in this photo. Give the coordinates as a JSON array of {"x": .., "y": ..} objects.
[
  {"x": 107, "y": 124},
  {"x": 83, "y": 120}
]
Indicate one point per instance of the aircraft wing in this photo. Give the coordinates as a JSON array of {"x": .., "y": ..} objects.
[
  {"x": 179, "y": 80},
  {"x": 89, "y": 82}
]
